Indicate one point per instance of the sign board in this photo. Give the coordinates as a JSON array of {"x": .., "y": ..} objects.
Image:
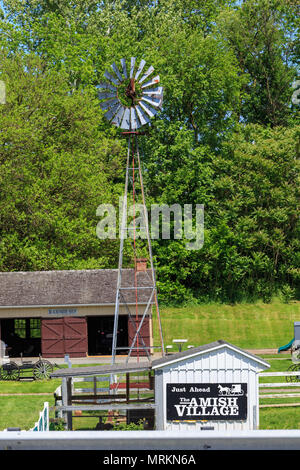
[
  {"x": 207, "y": 401},
  {"x": 62, "y": 311}
]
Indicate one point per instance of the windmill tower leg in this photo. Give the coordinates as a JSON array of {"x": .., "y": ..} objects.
[{"x": 137, "y": 344}]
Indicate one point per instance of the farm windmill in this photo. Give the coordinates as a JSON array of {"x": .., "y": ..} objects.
[{"x": 130, "y": 98}]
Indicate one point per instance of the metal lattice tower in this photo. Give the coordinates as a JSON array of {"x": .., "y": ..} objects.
[{"x": 129, "y": 102}]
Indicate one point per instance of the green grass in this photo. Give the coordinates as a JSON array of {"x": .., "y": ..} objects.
[
  {"x": 22, "y": 411},
  {"x": 28, "y": 387},
  {"x": 249, "y": 326},
  {"x": 279, "y": 418}
]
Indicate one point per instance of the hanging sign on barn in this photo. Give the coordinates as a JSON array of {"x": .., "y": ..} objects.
[
  {"x": 207, "y": 401},
  {"x": 62, "y": 311}
]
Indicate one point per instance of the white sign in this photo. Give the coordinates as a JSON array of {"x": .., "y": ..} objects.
[{"x": 62, "y": 311}]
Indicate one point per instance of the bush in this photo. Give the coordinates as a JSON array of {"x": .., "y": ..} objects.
[
  {"x": 129, "y": 427},
  {"x": 287, "y": 293},
  {"x": 57, "y": 425}
]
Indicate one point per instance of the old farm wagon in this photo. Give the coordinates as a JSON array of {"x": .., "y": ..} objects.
[{"x": 40, "y": 369}]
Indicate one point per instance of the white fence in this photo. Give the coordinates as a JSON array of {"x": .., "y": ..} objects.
[
  {"x": 287, "y": 387},
  {"x": 265, "y": 385},
  {"x": 94, "y": 380},
  {"x": 43, "y": 422}
]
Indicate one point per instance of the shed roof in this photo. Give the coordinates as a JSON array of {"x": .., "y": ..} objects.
[
  {"x": 178, "y": 357},
  {"x": 156, "y": 364},
  {"x": 101, "y": 370},
  {"x": 70, "y": 287}
]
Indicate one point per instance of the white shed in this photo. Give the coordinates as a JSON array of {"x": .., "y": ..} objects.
[{"x": 214, "y": 386}]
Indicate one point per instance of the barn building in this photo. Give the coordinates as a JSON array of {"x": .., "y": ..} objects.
[{"x": 54, "y": 313}]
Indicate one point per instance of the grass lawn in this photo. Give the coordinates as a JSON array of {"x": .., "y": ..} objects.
[
  {"x": 19, "y": 407},
  {"x": 279, "y": 418},
  {"x": 249, "y": 326},
  {"x": 22, "y": 411}
]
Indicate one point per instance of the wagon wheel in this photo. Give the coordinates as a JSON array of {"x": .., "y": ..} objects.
[
  {"x": 293, "y": 378},
  {"x": 10, "y": 371},
  {"x": 42, "y": 370}
]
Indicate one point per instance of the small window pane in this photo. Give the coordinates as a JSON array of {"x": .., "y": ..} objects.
[
  {"x": 35, "y": 328},
  {"x": 20, "y": 327}
]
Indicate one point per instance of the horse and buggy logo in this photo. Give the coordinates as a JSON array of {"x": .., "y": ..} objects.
[{"x": 234, "y": 390}]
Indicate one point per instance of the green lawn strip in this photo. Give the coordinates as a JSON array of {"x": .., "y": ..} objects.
[
  {"x": 84, "y": 423},
  {"x": 22, "y": 411},
  {"x": 279, "y": 418},
  {"x": 249, "y": 326},
  {"x": 26, "y": 387}
]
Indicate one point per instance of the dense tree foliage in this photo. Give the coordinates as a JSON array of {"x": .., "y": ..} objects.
[{"x": 227, "y": 137}]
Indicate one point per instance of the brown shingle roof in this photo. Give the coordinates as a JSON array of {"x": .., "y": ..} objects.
[{"x": 73, "y": 287}]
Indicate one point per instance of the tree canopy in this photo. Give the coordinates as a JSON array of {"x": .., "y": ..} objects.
[{"x": 227, "y": 137}]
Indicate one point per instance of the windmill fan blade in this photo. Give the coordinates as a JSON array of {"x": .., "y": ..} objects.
[
  {"x": 111, "y": 112},
  {"x": 123, "y": 63},
  {"x": 125, "y": 124},
  {"x": 154, "y": 81},
  {"x": 134, "y": 119},
  {"x": 111, "y": 78},
  {"x": 153, "y": 91},
  {"x": 160, "y": 97},
  {"x": 146, "y": 75},
  {"x": 107, "y": 86},
  {"x": 150, "y": 111},
  {"x": 2, "y": 92},
  {"x": 116, "y": 70},
  {"x": 108, "y": 104},
  {"x": 118, "y": 117},
  {"x": 139, "y": 70},
  {"x": 142, "y": 117},
  {"x": 132, "y": 64},
  {"x": 151, "y": 100},
  {"x": 106, "y": 95}
]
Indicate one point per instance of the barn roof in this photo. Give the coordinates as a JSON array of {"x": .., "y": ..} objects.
[{"x": 70, "y": 287}]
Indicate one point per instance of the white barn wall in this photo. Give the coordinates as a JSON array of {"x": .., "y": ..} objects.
[{"x": 223, "y": 365}]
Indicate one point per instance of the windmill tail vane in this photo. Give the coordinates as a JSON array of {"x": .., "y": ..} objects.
[{"x": 130, "y": 97}]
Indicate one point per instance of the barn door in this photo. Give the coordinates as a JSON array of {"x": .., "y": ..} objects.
[
  {"x": 133, "y": 325},
  {"x": 66, "y": 335},
  {"x": 52, "y": 333},
  {"x": 76, "y": 344}
]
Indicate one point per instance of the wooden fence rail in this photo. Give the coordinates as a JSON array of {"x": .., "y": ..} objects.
[{"x": 286, "y": 389}]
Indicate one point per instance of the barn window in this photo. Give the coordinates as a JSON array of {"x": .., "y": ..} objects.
[
  {"x": 20, "y": 327},
  {"x": 28, "y": 327},
  {"x": 35, "y": 327}
]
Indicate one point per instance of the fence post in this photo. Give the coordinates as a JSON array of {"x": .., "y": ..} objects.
[
  {"x": 67, "y": 399},
  {"x": 43, "y": 422}
]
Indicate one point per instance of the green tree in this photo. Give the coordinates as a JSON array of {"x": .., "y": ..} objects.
[
  {"x": 226, "y": 138},
  {"x": 56, "y": 166},
  {"x": 259, "y": 33}
]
